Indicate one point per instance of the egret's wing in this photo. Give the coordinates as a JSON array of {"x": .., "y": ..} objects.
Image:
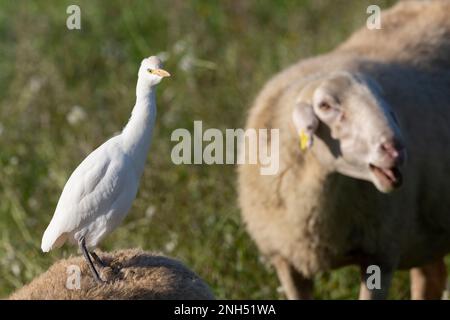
[{"x": 91, "y": 191}]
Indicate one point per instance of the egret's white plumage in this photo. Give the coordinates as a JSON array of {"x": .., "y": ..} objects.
[{"x": 100, "y": 191}]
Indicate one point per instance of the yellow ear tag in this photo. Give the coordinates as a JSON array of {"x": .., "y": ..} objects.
[{"x": 304, "y": 140}]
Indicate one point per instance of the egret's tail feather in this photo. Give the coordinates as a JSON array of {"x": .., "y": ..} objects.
[{"x": 51, "y": 240}]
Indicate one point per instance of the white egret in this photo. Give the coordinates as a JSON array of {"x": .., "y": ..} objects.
[{"x": 100, "y": 191}]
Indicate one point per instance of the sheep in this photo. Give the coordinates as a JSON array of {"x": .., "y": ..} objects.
[
  {"x": 380, "y": 97},
  {"x": 130, "y": 274}
]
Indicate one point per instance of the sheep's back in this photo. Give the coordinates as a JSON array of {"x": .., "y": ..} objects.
[{"x": 131, "y": 274}]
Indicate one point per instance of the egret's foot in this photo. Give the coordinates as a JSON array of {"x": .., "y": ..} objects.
[
  {"x": 97, "y": 260},
  {"x": 94, "y": 271},
  {"x": 97, "y": 278}
]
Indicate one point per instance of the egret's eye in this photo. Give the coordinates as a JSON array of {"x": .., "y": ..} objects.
[
  {"x": 150, "y": 70},
  {"x": 324, "y": 106}
]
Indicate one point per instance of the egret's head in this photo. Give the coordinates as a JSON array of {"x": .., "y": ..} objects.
[{"x": 151, "y": 70}]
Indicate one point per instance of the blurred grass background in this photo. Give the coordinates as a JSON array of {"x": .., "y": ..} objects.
[{"x": 62, "y": 93}]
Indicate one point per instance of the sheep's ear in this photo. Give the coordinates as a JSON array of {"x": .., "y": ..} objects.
[
  {"x": 306, "y": 123},
  {"x": 303, "y": 116}
]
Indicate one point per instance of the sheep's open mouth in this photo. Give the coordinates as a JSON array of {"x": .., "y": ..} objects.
[{"x": 390, "y": 178}]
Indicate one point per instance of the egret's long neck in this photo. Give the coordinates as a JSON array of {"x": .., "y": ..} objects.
[{"x": 137, "y": 134}]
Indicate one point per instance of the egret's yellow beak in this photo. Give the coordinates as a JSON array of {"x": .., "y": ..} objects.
[{"x": 160, "y": 72}]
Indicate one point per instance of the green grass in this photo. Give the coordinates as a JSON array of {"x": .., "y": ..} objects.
[{"x": 220, "y": 55}]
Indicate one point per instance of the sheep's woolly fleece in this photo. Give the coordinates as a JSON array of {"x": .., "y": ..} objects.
[{"x": 131, "y": 274}]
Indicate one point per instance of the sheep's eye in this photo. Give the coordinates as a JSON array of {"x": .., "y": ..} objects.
[{"x": 324, "y": 106}]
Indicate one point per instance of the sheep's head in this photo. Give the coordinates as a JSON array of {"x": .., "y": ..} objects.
[{"x": 356, "y": 131}]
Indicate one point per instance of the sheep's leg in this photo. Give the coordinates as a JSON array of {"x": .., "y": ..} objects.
[
  {"x": 82, "y": 245},
  {"x": 381, "y": 293},
  {"x": 98, "y": 260},
  {"x": 295, "y": 285},
  {"x": 428, "y": 282}
]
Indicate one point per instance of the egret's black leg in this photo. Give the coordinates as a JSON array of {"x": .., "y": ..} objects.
[
  {"x": 98, "y": 260},
  {"x": 83, "y": 249}
]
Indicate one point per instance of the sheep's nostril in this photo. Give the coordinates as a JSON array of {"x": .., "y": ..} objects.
[{"x": 394, "y": 150}]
